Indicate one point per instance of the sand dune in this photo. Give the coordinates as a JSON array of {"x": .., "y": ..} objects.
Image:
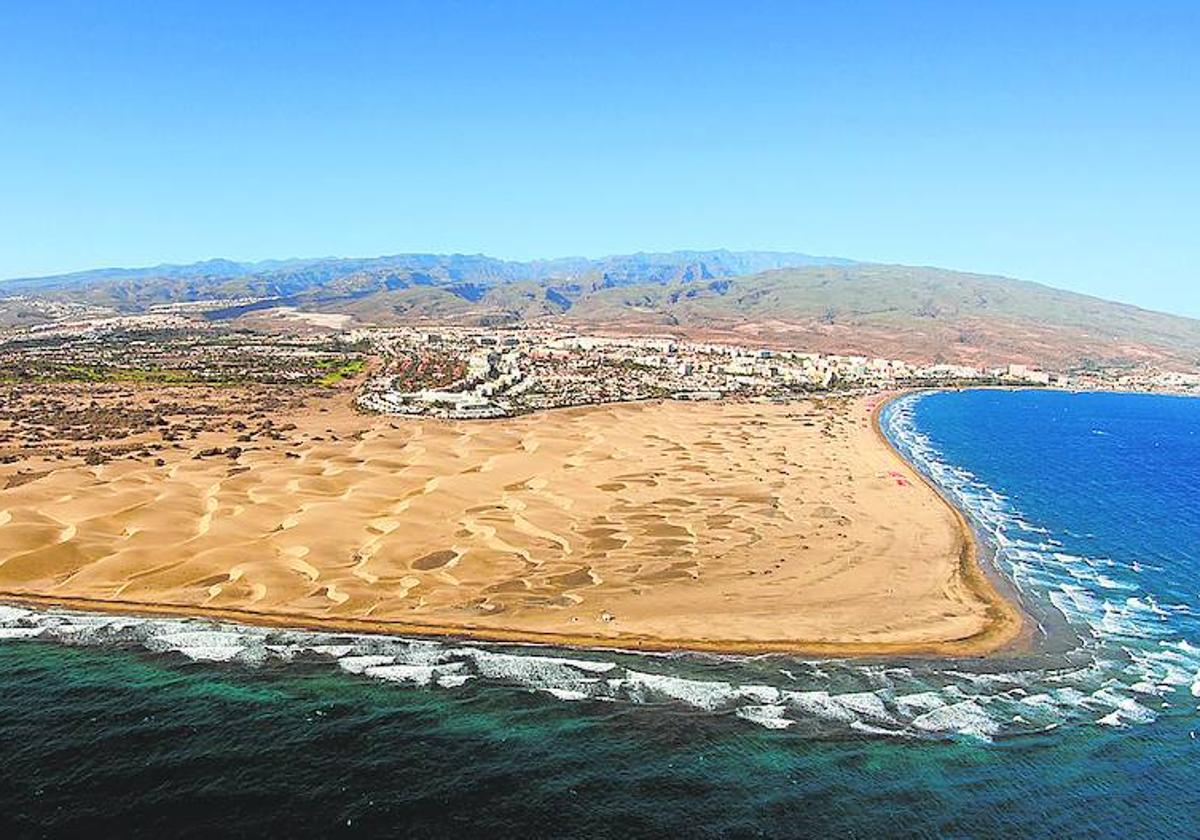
[{"x": 710, "y": 526}]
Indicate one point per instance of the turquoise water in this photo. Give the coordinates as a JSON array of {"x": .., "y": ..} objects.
[{"x": 146, "y": 727}]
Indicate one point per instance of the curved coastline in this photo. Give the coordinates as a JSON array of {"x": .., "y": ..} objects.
[{"x": 1011, "y": 629}]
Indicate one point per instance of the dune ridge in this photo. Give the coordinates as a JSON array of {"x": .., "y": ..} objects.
[{"x": 727, "y": 527}]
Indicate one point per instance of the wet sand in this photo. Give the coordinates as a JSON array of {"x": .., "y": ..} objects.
[{"x": 736, "y": 528}]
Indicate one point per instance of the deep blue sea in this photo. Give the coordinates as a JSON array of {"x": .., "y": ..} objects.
[{"x": 1089, "y": 503}]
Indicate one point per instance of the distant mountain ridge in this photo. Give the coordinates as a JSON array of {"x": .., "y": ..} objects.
[
  {"x": 830, "y": 304},
  {"x": 640, "y": 266},
  {"x": 334, "y": 281}
]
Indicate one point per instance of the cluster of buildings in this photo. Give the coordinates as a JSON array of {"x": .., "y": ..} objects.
[
  {"x": 91, "y": 327},
  {"x": 205, "y": 305},
  {"x": 473, "y": 373},
  {"x": 1146, "y": 380},
  {"x": 513, "y": 372}
]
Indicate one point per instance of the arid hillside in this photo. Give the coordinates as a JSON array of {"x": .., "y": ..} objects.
[{"x": 823, "y": 304}]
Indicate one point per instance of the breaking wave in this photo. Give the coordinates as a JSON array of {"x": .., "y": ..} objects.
[{"x": 1127, "y": 664}]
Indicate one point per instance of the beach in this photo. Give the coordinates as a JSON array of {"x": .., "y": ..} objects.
[
  {"x": 379, "y": 729},
  {"x": 723, "y": 527}
]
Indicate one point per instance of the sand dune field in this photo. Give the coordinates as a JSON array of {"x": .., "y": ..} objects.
[{"x": 735, "y": 527}]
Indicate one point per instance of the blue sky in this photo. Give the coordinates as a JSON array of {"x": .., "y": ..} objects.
[{"x": 1054, "y": 142}]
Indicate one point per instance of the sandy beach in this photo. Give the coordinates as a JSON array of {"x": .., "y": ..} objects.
[{"x": 727, "y": 527}]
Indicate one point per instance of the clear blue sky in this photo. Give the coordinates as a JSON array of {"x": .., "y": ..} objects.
[{"x": 1057, "y": 142}]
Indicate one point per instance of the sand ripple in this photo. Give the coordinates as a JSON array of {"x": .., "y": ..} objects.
[{"x": 673, "y": 522}]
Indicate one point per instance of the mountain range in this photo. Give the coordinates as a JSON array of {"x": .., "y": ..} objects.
[{"x": 828, "y": 304}]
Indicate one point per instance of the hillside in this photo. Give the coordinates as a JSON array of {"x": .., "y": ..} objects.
[
  {"x": 925, "y": 314},
  {"x": 821, "y": 303},
  {"x": 920, "y": 314}
]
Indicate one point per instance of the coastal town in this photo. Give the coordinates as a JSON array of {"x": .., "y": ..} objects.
[
  {"x": 537, "y": 419},
  {"x": 483, "y": 374},
  {"x": 472, "y": 373}
]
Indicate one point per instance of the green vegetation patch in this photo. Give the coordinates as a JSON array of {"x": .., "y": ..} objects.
[{"x": 337, "y": 370}]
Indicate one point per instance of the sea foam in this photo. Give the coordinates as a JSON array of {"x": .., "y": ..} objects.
[{"x": 1130, "y": 653}]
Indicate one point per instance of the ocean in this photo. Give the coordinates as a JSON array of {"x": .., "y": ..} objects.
[{"x": 1087, "y": 504}]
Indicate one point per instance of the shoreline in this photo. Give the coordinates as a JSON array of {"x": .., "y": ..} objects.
[
  {"x": 952, "y": 649},
  {"x": 1005, "y": 624},
  {"x": 1011, "y": 622}
]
